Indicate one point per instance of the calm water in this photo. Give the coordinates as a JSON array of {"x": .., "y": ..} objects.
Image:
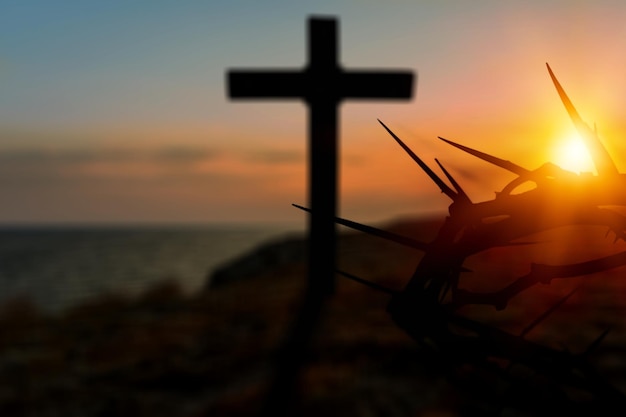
[{"x": 58, "y": 267}]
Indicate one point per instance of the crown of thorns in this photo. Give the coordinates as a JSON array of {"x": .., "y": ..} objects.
[{"x": 525, "y": 372}]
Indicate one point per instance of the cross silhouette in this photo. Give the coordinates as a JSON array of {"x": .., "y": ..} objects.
[{"x": 322, "y": 84}]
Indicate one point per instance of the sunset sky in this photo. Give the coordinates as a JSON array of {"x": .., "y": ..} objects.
[{"x": 116, "y": 111}]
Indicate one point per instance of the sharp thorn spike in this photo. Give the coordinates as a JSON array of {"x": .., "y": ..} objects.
[
  {"x": 445, "y": 291},
  {"x": 403, "y": 240},
  {"x": 571, "y": 110},
  {"x": 508, "y": 165},
  {"x": 461, "y": 194},
  {"x": 442, "y": 185},
  {"x": 594, "y": 345},
  {"x": 601, "y": 158},
  {"x": 368, "y": 283},
  {"x": 547, "y": 313}
]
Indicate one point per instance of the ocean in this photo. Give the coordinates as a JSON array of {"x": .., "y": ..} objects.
[{"x": 58, "y": 267}]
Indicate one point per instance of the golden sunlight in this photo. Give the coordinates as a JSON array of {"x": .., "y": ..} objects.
[{"x": 572, "y": 155}]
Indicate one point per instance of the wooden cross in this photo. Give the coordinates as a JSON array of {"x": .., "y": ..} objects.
[{"x": 322, "y": 84}]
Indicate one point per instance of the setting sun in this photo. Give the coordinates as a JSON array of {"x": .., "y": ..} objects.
[{"x": 572, "y": 155}]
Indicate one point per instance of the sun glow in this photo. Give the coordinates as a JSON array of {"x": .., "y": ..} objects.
[{"x": 572, "y": 155}]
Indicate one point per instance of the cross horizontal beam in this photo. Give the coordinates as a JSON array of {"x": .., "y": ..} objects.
[{"x": 310, "y": 85}]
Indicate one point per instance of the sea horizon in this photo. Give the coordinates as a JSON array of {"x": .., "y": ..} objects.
[
  {"x": 59, "y": 265},
  {"x": 98, "y": 225}
]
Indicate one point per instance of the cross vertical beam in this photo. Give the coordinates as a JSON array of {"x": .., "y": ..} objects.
[
  {"x": 322, "y": 84},
  {"x": 322, "y": 101}
]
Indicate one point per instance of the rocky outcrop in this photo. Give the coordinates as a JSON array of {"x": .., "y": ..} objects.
[
  {"x": 286, "y": 250},
  {"x": 270, "y": 256}
]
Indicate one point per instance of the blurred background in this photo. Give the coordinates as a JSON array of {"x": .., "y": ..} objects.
[
  {"x": 117, "y": 113},
  {"x": 128, "y": 180}
]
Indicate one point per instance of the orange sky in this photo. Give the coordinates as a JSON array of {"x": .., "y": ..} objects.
[{"x": 118, "y": 113}]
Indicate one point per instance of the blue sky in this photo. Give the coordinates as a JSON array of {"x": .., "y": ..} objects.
[{"x": 116, "y": 111}]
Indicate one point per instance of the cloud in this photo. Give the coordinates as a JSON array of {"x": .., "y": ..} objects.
[
  {"x": 183, "y": 154},
  {"x": 113, "y": 155},
  {"x": 274, "y": 156},
  {"x": 160, "y": 185},
  {"x": 41, "y": 168},
  {"x": 44, "y": 167}
]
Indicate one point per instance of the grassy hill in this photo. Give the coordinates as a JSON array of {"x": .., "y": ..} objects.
[{"x": 211, "y": 354}]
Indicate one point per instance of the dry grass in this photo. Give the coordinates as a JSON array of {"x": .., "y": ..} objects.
[{"x": 168, "y": 354}]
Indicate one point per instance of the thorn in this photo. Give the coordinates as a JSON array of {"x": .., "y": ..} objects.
[
  {"x": 599, "y": 155},
  {"x": 442, "y": 185},
  {"x": 508, "y": 165},
  {"x": 549, "y": 311},
  {"x": 403, "y": 240},
  {"x": 368, "y": 283},
  {"x": 594, "y": 345},
  {"x": 460, "y": 193},
  {"x": 446, "y": 288}
]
